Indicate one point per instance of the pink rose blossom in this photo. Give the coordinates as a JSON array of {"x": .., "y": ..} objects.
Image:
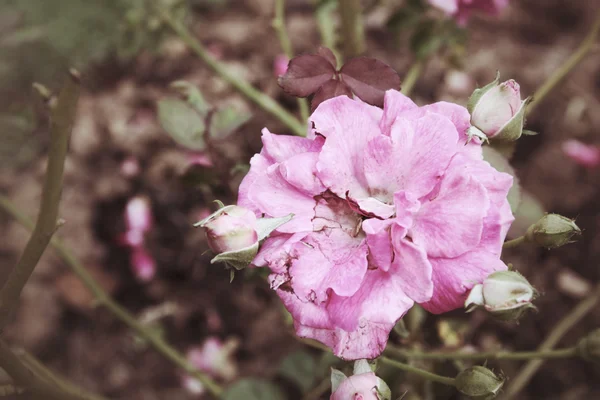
[
  {"x": 391, "y": 207},
  {"x": 583, "y": 154},
  {"x": 214, "y": 358},
  {"x": 461, "y": 9}
]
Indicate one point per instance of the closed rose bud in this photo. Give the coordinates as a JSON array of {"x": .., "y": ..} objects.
[
  {"x": 233, "y": 228},
  {"x": 138, "y": 214},
  {"x": 234, "y": 233},
  {"x": 588, "y": 348},
  {"x": 479, "y": 383},
  {"x": 362, "y": 385},
  {"x": 497, "y": 111},
  {"x": 552, "y": 230},
  {"x": 280, "y": 65},
  {"x": 505, "y": 294},
  {"x": 586, "y": 155}
]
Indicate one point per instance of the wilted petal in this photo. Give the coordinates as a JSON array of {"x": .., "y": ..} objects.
[
  {"x": 454, "y": 277},
  {"x": 348, "y": 128},
  {"x": 410, "y": 267}
]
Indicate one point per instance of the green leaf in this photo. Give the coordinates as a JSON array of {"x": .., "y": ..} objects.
[
  {"x": 182, "y": 122},
  {"x": 253, "y": 389},
  {"x": 193, "y": 96},
  {"x": 226, "y": 121},
  {"x": 300, "y": 368}
]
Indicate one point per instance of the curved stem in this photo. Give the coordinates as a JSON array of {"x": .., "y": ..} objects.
[
  {"x": 584, "y": 48},
  {"x": 262, "y": 100},
  {"x": 41, "y": 386},
  {"x": 489, "y": 355},
  {"x": 61, "y": 121},
  {"x": 509, "y": 244},
  {"x": 560, "y": 329},
  {"x": 105, "y": 300},
  {"x": 286, "y": 45},
  {"x": 412, "y": 76},
  {"x": 417, "y": 371},
  {"x": 353, "y": 31}
]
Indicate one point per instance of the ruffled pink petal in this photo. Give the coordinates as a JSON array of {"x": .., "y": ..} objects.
[
  {"x": 325, "y": 260},
  {"x": 343, "y": 116},
  {"x": 272, "y": 195},
  {"x": 370, "y": 334},
  {"x": 452, "y": 223},
  {"x": 366, "y": 305},
  {"x": 419, "y": 157},
  {"x": 495, "y": 227},
  {"x": 300, "y": 171},
  {"x": 348, "y": 128},
  {"x": 276, "y": 249},
  {"x": 454, "y": 277},
  {"x": 278, "y": 148},
  {"x": 373, "y": 207},
  {"x": 381, "y": 252},
  {"x": 258, "y": 167},
  {"x": 410, "y": 267},
  {"x": 394, "y": 104}
]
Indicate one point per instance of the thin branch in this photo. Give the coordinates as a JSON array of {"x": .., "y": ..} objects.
[
  {"x": 234, "y": 79},
  {"x": 560, "y": 329},
  {"x": 26, "y": 378},
  {"x": 115, "y": 308},
  {"x": 286, "y": 45},
  {"x": 353, "y": 31},
  {"x": 417, "y": 371},
  {"x": 61, "y": 122},
  {"x": 584, "y": 48},
  {"x": 488, "y": 355}
]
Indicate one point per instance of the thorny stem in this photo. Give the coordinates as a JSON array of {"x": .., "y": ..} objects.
[
  {"x": 560, "y": 329},
  {"x": 417, "y": 371},
  {"x": 105, "y": 300},
  {"x": 412, "y": 76},
  {"x": 488, "y": 355},
  {"x": 286, "y": 45},
  {"x": 262, "y": 100},
  {"x": 62, "y": 116},
  {"x": 352, "y": 27},
  {"x": 46, "y": 386},
  {"x": 509, "y": 244},
  {"x": 584, "y": 48}
]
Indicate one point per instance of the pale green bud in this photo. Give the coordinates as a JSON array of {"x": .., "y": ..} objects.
[
  {"x": 552, "y": 230},
  {"x": 479, "y": 383}
]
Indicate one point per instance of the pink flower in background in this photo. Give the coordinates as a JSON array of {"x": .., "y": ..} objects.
[
  {"x": 280, "y": 64},
  {"x": 583, "y": 154},
  {"x": 214, "y": 358},
  {"x": 461, "y": 9},
  {"x": 391, "y": 207},
  {"x": 139, "y": 221}
]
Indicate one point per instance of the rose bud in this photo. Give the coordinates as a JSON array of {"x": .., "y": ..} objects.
[
  {"x": 479, "y": 383},
  {"x": 138, "y": 219},
  {"x": 552, "y": 230},
  {"x": 505, "y": 294},
  {"x": 497, "y": 111},
  {"x": 588, "y": 348},
  {"x": 280, "y": 65},
  {"x": 362, "y": 385},
  {"x": 234, "y": 233}
]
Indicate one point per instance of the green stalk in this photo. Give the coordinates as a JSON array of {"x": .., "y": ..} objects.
[
  {"x": 488, "y": 355},
  {"x": 353, "y": 32},
  {"x": 417, "y": 371}
]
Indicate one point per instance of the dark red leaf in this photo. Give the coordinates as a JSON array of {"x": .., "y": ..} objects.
[
  {"x": 369, "y": 78},
  {"x": 331, "y": 89},
  {"x": 306, "y": 74},
  {"x": 326, "y": 53}
]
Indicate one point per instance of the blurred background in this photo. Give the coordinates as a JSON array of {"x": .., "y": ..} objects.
[{"x": 128, "y": 162}]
